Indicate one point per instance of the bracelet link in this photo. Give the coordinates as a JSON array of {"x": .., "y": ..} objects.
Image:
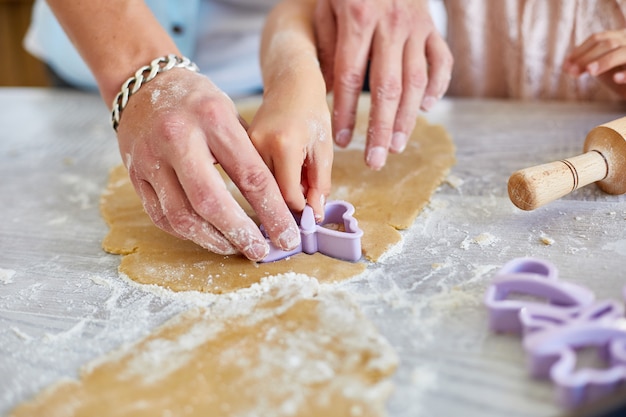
[{"x": 143, "y": 75}]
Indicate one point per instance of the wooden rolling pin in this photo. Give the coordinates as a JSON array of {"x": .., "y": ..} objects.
[{"x": 603, "y": 161}]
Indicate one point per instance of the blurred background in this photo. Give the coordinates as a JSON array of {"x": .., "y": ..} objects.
[{"x": 18, "y": 67}]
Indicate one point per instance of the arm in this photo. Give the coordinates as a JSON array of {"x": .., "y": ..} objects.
[
  {"x": 173, "y": 131},
  {"x": 602, "y": 55},
  {"x": 292, "y": 130},
  {"x": 114, "y": 38},
  {"x": 409, "y": 64}
]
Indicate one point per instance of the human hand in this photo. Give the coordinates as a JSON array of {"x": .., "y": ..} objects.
[
  {"x": 173, "y": 131},
  {"x": 410, "y": 66},
  {"x": 292, "y": 133},
  {"x": 601, "y": 55}
]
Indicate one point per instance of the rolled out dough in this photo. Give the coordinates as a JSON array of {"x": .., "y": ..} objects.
[
  {"x": 273, "y": 344},
  {"x": 280, "y": 349},
  {"x": 385, "y": 201}
]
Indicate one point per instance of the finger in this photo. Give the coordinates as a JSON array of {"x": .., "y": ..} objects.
[
  {"x": 386, "y": 86},
  {"x": 353, "y": 49},
  {"x": 202, "y": 185},
  {"x": 414, "y": 79},
  {"x": 619, "y": 77},
  {"x": 244, "y": 166},
  {"x": 243, "y": 122},
  {"x": 586, "y": 46},
  {"x": 326, "y": 35},
  {"x": 288, "y": 173},
  {"x": 440, "y": 61},
  {"x": 210, "y": 199},
  {"x": 151, "y": 204},
  {"x": 609, "y": 61},
  {"x": 184, "y": 220},
  {"x": 318, "y": 178},
  {"x": 572, "y": 63},
  {"x": 591, "y": 49}
]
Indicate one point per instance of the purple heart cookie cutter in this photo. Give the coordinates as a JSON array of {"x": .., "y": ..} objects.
[{"x": 344, "y": 245}]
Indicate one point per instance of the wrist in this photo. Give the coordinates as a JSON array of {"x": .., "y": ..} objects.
[{"x": 143, "y": 75}]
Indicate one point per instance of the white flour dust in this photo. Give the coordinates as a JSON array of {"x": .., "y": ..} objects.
[{"x": 6, "y": 276}]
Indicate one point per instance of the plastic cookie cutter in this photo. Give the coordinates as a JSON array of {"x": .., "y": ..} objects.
[
  {"x": 338, "y": 236},
  {"x": 558, "y": 337},
  {"x": 531, "y": 278}
]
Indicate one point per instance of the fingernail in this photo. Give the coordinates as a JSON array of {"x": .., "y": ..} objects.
[
  {"x": 429, "y": 102},
  {"x": 592, "y": 68},
  {"x": 619, "y": 77},
  {"x": 376, "y": 157},
  {"x": 289, "y": 239},
  {"x": 398, "y": 142},
  {"x": 343, "y": 137},
  {"x": 259, "y": 251},
  {"x": 319, "y": 217}
]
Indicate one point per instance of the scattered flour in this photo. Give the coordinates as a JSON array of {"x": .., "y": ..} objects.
[
  {"x": 618, "y": 247},
  {"x": 483, "y": 240},
  {"x": 391, "y": 251},
  {"x": 6, "y": 276},
  {"x": 454, "y": 181},
  {"x": 57, "y": 221},
  {"x": 545, "y": 239},
  {"x": 21, "y": 334}
]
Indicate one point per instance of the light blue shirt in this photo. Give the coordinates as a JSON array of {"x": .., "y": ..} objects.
[{"x": 227, "y": 43}]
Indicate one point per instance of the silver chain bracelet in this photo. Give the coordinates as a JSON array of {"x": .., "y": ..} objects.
[{"x": 134, "y": 83}]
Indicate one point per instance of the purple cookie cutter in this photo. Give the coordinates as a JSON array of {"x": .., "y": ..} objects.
[
  {"x": 529, "y": 277},
  {"x": 556, "y": 329},
  {"x": 553, "y": 348},
  {"x": 344, "y": 245}
]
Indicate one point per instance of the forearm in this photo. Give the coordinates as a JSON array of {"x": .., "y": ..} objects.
[
  {"x": 114, "y": 37},
  {"x": 288, "y": 49}
]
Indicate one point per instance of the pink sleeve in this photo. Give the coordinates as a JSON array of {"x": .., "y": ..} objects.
[{"x": 516, "y": 48}]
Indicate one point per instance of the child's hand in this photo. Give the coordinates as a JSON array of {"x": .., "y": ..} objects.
[
  {"x": 292, "y": 133},
  {"x": 602, "y": 55}
]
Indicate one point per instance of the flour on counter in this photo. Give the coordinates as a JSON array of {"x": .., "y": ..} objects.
[
  {"x": 315, "y": 346},
  {"x": 6, "y": 276},
  {"x": 618, "y": 247},
  {"x": 74, "y": 331},
  {"x": 454, "y": 181},
  {"x": 19, "y": 333},
  {"x": 391, "y": 251},
  {"x": 483, "y": 240},
  {"x": 84, "y": 192},
  {"x": 57, "y": 221},
  {"x": 545, "y": 239}
]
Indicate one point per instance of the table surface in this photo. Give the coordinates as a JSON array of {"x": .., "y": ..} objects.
[{"x": 62, "y": 303}]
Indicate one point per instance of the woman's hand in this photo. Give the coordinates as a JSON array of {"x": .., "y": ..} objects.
[
  {"x": 409, "y": 67},
  {"x": 171, "y": 134}
]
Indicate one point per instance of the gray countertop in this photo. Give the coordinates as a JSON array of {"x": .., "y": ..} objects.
[{"x": 62, "y": 303}]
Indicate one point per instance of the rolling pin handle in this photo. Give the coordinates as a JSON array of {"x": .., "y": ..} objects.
[{"x": 533, "y": 187}]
